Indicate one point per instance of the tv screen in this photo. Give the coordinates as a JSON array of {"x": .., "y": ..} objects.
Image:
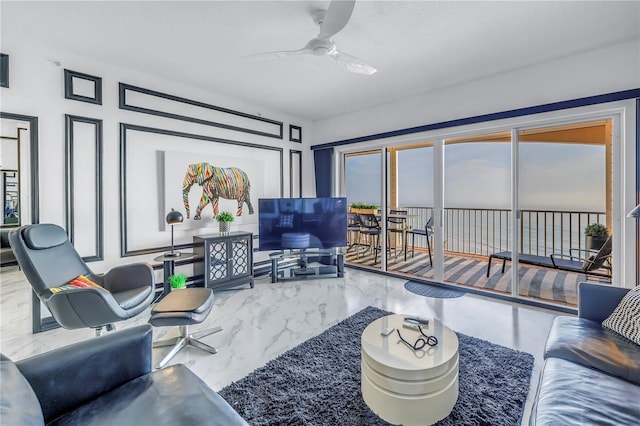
[{"x": 302, "y": 223}]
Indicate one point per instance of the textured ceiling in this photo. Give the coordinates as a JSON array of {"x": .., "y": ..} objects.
[{"x": 417, "y": 46}]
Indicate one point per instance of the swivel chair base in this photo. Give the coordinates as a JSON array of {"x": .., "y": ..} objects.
[
  {"x": 108, "y": 329},
  {"x": 183, "y": 340}
]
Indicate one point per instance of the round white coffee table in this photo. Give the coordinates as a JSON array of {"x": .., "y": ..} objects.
[{"x": 408, "y": 387}]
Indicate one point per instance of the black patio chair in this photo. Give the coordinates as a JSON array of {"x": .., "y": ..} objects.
[
  {"x": 396, "y": 225},
  {"x": 370, "y": 228},
  {"x": 426, "y": 232},
  {"x": 353, "y": 231}
]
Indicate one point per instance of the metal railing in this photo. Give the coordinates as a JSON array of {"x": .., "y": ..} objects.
[{"x": 482, "y": 232}]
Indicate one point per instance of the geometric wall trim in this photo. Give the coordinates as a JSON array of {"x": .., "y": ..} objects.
[
  {"x": 83, "y": 185},
  {"x": 295, "y": 133},
  {"x": 148, "y": 101},
  {"x": 4, "y": 70},
  {"x": 142, "y": 172},
  {"x": 295, "y": 173},
  {"x": 82, "y": 87}
]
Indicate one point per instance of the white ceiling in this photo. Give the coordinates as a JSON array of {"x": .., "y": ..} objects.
[{"x": 417, "y": 46}]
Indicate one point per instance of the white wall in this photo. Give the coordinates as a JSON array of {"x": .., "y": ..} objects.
[
  {"x": 591, "y": 73},
  {"x": 37, "y": 89}
]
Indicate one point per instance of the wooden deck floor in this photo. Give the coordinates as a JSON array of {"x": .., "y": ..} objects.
[{"x": 535, "y": 282}]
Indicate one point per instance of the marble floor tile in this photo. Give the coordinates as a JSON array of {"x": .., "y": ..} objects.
[{"x": 262, "y": 323}]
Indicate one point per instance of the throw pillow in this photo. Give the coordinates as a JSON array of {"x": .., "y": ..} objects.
[
  {"x": 76, "y": 283},
  {"x": 625, "y": 319},
  {"x": 286, "y": 221}
]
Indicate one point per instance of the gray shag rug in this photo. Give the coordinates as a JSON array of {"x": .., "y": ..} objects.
[
  {"x": 428, "y": 290},
  {"x": 318, "y": 382}
]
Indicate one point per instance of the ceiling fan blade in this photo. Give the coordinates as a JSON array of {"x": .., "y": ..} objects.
[
  {"x": 336, "y": 17},
  {"x": 279, "y": 54},
  {"x": 352, "y": 64}
]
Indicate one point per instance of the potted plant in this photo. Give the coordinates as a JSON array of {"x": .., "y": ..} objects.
[
  {"x": 596, "y": 234},
  {"x": 363, "y": 208},
  {"x": 178, "y": 281},
  {"x": 224, "y": 222}
]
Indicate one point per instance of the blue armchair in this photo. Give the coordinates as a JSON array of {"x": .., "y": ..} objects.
[{"x": 107, "y": 380}]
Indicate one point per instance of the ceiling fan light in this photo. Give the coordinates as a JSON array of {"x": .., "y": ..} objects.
[
  {"x": 321, "y": 51},
  {"x": 353, "y": 64}
]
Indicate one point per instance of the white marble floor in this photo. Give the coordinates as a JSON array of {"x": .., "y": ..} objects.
[{"x": 263, "y": 322}]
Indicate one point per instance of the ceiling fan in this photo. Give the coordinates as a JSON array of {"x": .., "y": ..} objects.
[{"x": 330, "y": 21}]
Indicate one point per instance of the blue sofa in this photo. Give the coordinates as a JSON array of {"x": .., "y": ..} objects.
[
  {"x": 107, "y": 380},
  {"x": 591, "y": 375}
]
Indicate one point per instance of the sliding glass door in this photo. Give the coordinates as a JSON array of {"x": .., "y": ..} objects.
[
  {"x": 493, "y": 211},
  {"x": 363, "y": 183},
  {"x": 564, "y": 175},
  {"x": 477, "y": 212},
  {"x": 410, "y": 201}
]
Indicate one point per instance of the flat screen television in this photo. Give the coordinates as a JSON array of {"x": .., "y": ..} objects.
[{"x": 302, "y": 223}]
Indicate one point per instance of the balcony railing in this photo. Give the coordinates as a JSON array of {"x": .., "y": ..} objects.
[{"x": 482, "y": 232}]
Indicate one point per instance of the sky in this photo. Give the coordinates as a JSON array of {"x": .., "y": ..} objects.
[{"x": 552, "y": 176}]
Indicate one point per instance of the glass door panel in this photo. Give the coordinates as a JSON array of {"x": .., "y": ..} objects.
[
  {"x": 363, "y": 180},
  {"x": 564, "y": 176},
  {"x": 410, "y": 200},
  {"x": 477, "y": 210}
]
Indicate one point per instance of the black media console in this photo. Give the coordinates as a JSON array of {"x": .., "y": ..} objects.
[{"x": 306, "y": 264}]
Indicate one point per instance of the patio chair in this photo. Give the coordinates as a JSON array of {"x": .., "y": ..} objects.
[
  {"x": 353, "y": 231},
  {"x": 426, "y": 232},
  {"x": 588, "y": 262},
  {"x": 370, "y": 228},
  {"x": 396, "y": 225}
]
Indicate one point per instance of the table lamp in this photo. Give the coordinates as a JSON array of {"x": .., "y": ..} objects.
[
  {"x": 635, "y": 212},
  {"x": 173, "y": 218}
]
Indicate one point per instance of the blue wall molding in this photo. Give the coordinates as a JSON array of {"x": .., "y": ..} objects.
[
  {"x": 555, "y": 106},
  {"x": 295, "y": 157},
  {"x": 34, "y": 164},
  {"x": 69, "y": 93},
  {"x": 4, "y": 70},
  {"x": 295, "y": 133},
  {"x": 277, "y": 126},
  {"x": 124, "y": 128},
  {"x": 70, "y": 176}
]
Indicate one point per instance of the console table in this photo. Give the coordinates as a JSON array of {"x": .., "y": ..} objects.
[
  {"x": 305, "y": 271},
  {"x": 224, "y": 260}
]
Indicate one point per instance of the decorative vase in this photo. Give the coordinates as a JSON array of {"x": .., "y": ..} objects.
[
  {"x": 594, "y": 243},
  {"x": 223, "y": 227}
]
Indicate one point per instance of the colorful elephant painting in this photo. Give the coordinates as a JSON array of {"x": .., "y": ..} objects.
[{"x": 231, "y": 183}]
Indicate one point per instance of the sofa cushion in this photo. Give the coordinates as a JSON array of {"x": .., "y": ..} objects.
[
  {"x": 18, "y": 403},
  {"x": 171, "y": 396},
  {"x": 570, "y": 394},
  {"x": 625, "y": 319},
  {"x": 587, "y": 343}
]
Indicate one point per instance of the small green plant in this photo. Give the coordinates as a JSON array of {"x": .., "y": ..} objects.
[
  {"x": 361, "y": 205},
  {"x": 596, "y": 230},
  {"x": 178, "y": 281},
  {"x": 224, "y": 217}
]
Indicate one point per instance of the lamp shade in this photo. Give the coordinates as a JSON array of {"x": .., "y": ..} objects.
[
  {"x": 635, "y": 212},
  {"x": 174, "y": 217}
]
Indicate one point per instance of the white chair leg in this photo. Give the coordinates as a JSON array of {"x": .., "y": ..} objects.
[
  {"x": 181, "y": 344},
  {"x": 167, "y": 342},
  {"x": 200, "y": 345},
  {"x": 204, "y": 333},
  {"x": 186, "y": 339}
]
